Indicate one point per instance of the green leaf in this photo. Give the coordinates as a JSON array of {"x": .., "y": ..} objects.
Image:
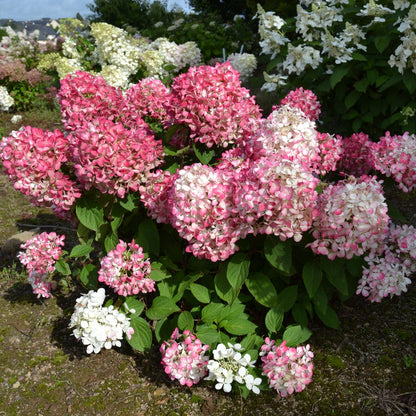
[
  {"x": 200, "y": 292},
  {"x": 299, "y": 314},
  {"x": 239, "y": 326},
  {"x": 223, "y": 288},
  {"x": 211, "y": 312},
  {"x": 141, "y": 339},
  {"x": 295, "y": 335},
  {"x": 381, "y": 42},
  {"x": 89, "y": 214},
  {"x": 312, "y": 277},
  {"x": 287, "y": 298},
  {"x": 262, "y": 289},
  {"x": 395, "y": 214},
  {"x": 164, "y": 329},
  {"x": 409, "y": 80},
  {"x": 358, "y": 57},
  {"x": 278, "y": 253},
  {"x": 111, "y": 241},
  {"x": 147, "y": 236},
  {"x": 117, "y": 215},
  {"x": 89, "y": 276},
  {"x": 334, "y": 272},
  {"x": 231, "y": 312},
  {"x": 162, "y": 307},
  {"x": 203, "y": 154},
  {"x": 208, "y": 335},
  {"x": 159, "y": 272},
  {"x": 129, "y": 203},
  {"x": 320, "y": 300},
  {"x": 338, "y": 74},
  {"x": 274, "y": 319},
  {"x": 185, "y": 321},
  {"x": 372, "y": 75},
  {"x": 352, "y": 98},
  {"x": 238, "y": 269},
  {"x": 133, "y": 303},
  {"x": 395, "y": 79},
  {"x": 329, "y": 318},
  {"x": 62, "y": 267}
]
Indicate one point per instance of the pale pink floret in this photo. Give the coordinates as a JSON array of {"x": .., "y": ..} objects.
[
  {"x": 212, "y": 104},
  {"x": 126, "y": 270},
  {"x": 288, "y": 369},
  {"x": 352, "y": 219},
  {"x": 305, "y": 100},
  {"x": 183, "y": 358},
  {"x": 395, "y": 156},
  {"x": 113, "y": 159},
  {"x": 33, "y": 159}
]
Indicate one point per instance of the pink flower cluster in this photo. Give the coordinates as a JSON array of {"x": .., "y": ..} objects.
[
  {"x": 183, "y": 358},
  {"x": 32, "y": 158},
  {"x": 389, "y": 274},
  {"x": 352, "y": 219},
  {"x": 111, "y": 158},
  {"x": 84, "y": 97},
  {"x": 288, "y": 369},
  {"x": 211, "y": 102},
  {"x": 39, "y": 256},
  {"x": 126, "y": 270},
  {"x": 305, "y": 100},
  {"x": 396, "y": 156},
  {"x": 330, "y": 152},
  {"x": 357, "y": 155}
]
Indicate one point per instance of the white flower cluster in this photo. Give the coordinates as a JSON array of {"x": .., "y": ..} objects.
[
  {"x": 244, "y": 63},
  {"x": 230, "y": 365},
  {"x": 6, "y": 101},
  {"x": 98, "y": 326}
]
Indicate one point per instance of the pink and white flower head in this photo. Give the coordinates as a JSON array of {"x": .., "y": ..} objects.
[
  {"x": 126, "y": 270},
  {"x": 149, "y": 97},
  {"x": 39, "y": 256},
  {"x": 352, "y": 219},
  {"x": 98, "y": 326},
  {"x": 84, "y": 96},
  {"x": 32, "y": 158},
  {"x": 330, "y": 151},
  {"x": 305, "y": 100},
  {"x": 395, "y": 156},
  {"x": 113, "y": 159},
  {"x": 357, "y": 155},
  {"x": 213, "y": 104},
  {"x": 288, "y": 369},
  {"x": 202, "y": 211},
  {"x": 183, "y": 358}
]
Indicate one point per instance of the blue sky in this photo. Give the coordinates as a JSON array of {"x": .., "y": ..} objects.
[{"x": 37, "y": 9}]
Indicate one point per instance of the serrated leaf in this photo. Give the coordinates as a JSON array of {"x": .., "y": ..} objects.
[
  {"x": 361, "y": 85},
  {"x": 231, "y": 312},
  {"x": 381, "y": 43},
  {"x": 89, "y": 276},
  {"x": 295, "y": 335},
  {"x": 237, "y": 270},
  {"x": 129, "y": 203},
  {"x": 274, "y": 319},
  {"x": 162, "y": 307},
  {"x": 262, "y": 289},
  {"x": 111, "y": 241},
  {"x": 278, "y": 253},
  {"x": 158, "y": 272},
  {"x": 208, "y": 335},
  {"x": 133, "y": 303},
  {"x": 81, "y": 250},
  {"x": 185, "y": 321},
  {"x": 312, "y": 277},
  {"x": 89, "y": 214},
  {"x": 62, "y": 267},
  {"x": 204, "y": 155},
  {"x": 223, "y": 288},
  {"x": 200, "y": 292},
  {"x": 210, "y": 313},
  {"x": 141, "y": 339},
  {"x": 239, "y": 326}
]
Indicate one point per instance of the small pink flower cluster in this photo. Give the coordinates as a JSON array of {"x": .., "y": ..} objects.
[
  {"x": 32, "y": 158},
  {"x": 357, "y": 155},
  {"x": 288, "y": 369},
  {"x": 111, "y": 158},
  {"x": 396, "y": 156},
  {"x": 84, "y": 96},
  {"x": 352, "y": 219},
  {"x": 330, "y": 152},
  {"x": 40, "y": 255},
  {"x": 305, "y": 100},
  {"x": 211, "y": 102},
  {"x": 183, "y": 358},
  {"x": 389, "y": 274},
  {"x": 126, "y": 270}
]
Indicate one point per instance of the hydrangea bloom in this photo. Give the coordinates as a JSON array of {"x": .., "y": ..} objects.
[
  {"x": 32, "y": 158},
  {"x": 39, "y": 256},
  {"x": 126, "y": 270},
  {"x": 83, "y": 97},
  {"x": 305, "y": 100},
  {"x": 330, "y": 151},
  {"x": 352, "y": 219},
  {"x": 6, "y": 101},
  {"x": 288, "y": 369},
  {"x": 98, "y": 326},
  {"x": 212, "y": 103},
  {"x": 396, "y": 156},
  {"x": 183, "y": 358},
  {"x": 229, "y": 365},
  {"x": 244, "y": 63},
  {"x": 357, "y": 154},
  {"x": 113, "y": 159}
]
